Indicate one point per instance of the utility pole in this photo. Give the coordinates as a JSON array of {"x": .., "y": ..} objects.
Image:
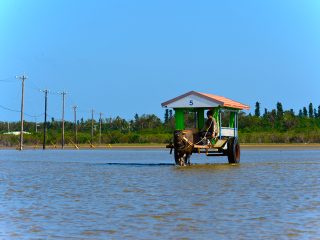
[
  {"x": 100, "y": 121},
  {"x": 23, "y": 78},
  {"x": 75, "y": 125},
  {"x": 8, "y": 127},
  {"x": 92, "y": 127},
  {"x": 36, "y": 121},
  {"x": 45, "y": 119},
  {"x": 62, "y": 140}
]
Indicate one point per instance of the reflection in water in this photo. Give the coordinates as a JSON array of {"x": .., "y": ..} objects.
[
  {"x": 138, "y": 164},
  {"x": 210, "y": 167},
  {"x": 142, "y": 195}
]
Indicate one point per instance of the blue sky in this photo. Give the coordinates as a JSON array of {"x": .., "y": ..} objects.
[{"x": 126, "y": 57}]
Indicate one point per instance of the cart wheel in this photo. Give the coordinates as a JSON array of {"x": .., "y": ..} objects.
[
  {"x": 233, "y": 150},
  {"x": 181, "y": 159}
]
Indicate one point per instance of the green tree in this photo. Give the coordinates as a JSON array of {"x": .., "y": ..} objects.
[
  {"x": 289, "y": 120},
  {"x": 257, "y": 110},
  {"x": 273, "y": 116},
  {"x": 265, "y": 112},
  {"x": 136, "y": 117},
  {"x": 279, "y": 110},
  {"x": 305, "y": 112},
  {"x": 292, "y": 112},
  {"x": 166, "y": 116},
  {"x": 310, "y": 110}
]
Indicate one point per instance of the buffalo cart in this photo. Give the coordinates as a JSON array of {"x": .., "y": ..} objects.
[{"x": 191, "y": 130}]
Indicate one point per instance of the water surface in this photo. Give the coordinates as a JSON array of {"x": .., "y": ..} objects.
[{"x": 140, "y": 194}]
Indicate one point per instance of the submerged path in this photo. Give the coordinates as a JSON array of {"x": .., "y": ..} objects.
[{"x": 299, "y": 146}]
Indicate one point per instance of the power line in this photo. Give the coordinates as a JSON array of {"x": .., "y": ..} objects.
[
  {"x": 33, "y": 116},
  {"x": 13, "y": 110},
  {"x": 84, "y": 111},
  {"x": 54, "y": 93},
  {"x": 9, "y": 109},
  {"x": 35, "y": 85},
  {"x": 51, "y": 116},
  {"x": 8, "y": 80},
  {"x": 73, "y": 103}
]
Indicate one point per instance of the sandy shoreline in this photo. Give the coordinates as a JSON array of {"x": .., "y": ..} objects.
[
  {"x": 309, "y": 146},
  {"x": 279, "y": 146}
]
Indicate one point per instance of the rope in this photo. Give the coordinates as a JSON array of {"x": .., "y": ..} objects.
[
  {"x": 205, "y": 133},
  {"x": 191, "y": 144}
]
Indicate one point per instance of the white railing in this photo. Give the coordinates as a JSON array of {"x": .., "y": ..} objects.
[{"x": 229, "y": 132}]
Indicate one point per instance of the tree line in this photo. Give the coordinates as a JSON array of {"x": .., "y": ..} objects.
[
  {"x": 281, "y": 126},
  {"x": 147, "y": 128},
  {"x": 272, "y": 126}
]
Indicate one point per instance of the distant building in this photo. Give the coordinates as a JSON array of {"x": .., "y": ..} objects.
[{"x": 16, "y": 133}]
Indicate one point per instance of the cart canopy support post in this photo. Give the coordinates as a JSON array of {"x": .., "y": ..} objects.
[
  {"x": 179, "y": 118},
  {"x": 200, "y": 115},
  {"x": 232, "y": 119},
  {"x": 216, "y": 112}
]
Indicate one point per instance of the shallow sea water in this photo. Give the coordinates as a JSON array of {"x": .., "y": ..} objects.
[{"x": 140, "y": 194}]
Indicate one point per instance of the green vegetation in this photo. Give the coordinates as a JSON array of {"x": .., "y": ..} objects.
[
  {"x": 279, "y": 126},
  {"x": 275, "y": 126},
  {"x": 142, "y": 129}
]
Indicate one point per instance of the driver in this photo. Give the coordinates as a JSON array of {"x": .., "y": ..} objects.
[{"x": 208, "y": 131}]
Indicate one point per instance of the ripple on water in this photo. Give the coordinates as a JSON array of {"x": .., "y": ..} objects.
[
  {"x": 35, "y": 229},
  {"x": 78, "y": 195},
  {"x": 199, "y": 204},
  {"x": 98, "y": 232}
]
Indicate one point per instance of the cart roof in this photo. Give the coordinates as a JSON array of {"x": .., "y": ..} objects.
[{"x": 195, "y": 99}]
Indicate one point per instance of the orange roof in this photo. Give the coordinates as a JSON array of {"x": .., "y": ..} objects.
[
  {"x": 223, "y": 101},
  {"x": 226, "y": 101}
]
